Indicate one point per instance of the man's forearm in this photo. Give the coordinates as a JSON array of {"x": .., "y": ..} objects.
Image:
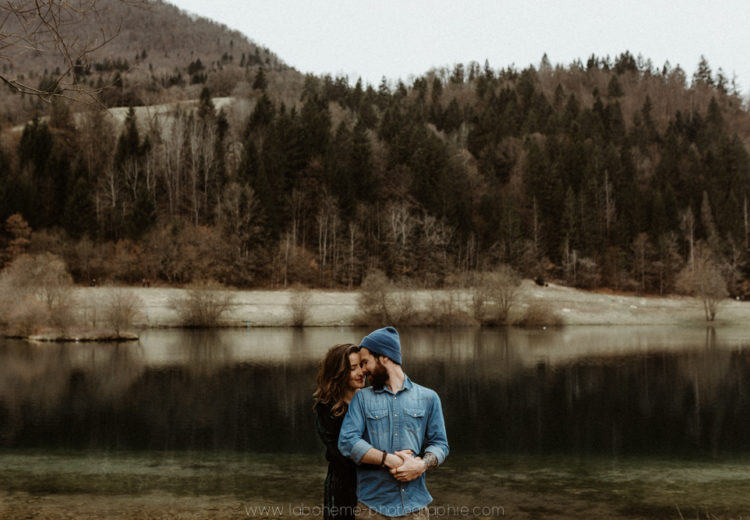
[
  {"x": 430, "y": 460},
  {"x": 375, "y": 456}
]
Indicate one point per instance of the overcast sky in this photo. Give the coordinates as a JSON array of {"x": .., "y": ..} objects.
[{"x": 405, "y": 38}]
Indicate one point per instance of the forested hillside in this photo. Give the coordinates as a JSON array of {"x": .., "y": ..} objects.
[
  {"x": 610, "y": 173},
  {"x": 127, "y": 52}
]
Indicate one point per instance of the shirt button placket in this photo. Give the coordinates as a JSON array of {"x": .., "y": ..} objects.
[{"x": 396, "y": 428}]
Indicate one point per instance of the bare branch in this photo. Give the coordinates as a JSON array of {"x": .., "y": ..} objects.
[{"x": 35, "y": 28}]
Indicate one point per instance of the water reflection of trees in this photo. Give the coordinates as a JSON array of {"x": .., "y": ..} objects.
[
  {"x": 203, "y": 349},
  {"x": 37, "y": 380},
  {"x": 81, "y": 396},
  {"x": 669, "y": 403},
  {"x": 246, "y": 407},
  {"x": 494, "y": 397}
]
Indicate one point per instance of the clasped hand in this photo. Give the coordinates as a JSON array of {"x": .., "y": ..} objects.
[{"x": 412, "y": 467}]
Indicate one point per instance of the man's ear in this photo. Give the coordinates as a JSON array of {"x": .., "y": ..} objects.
[{"x": 384, "y": 360}]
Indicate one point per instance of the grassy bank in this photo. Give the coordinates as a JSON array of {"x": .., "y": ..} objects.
[
  {"x": 532, "y": 305},
  {"x": 340, "y": 308}
]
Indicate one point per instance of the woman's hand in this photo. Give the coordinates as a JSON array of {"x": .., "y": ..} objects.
[{"x": 393, "y": 461}]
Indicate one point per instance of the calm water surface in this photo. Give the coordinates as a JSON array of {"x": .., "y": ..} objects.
[{"x": 604, "y": 421}]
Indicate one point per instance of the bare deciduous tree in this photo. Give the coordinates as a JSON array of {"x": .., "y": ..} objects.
[
  {"x": 493, "y": 294},
  {"x": 480, "y": 294},
  {"x": 120, "y": 309},
  {"x": 375, "y": 298},
  {"x": 540, "y": 314},
  {"x": 36, "y": 281},
  {"x": 703, "y": 280},
  {"x": 299, "y": 305},
  {"x": 687, "y": 226},
  {"x": 203, "y": 305},
  {"x": 503, "y": 287},
  {"x": 34, "y": 28},
  {"x": 328, "y": 221}
]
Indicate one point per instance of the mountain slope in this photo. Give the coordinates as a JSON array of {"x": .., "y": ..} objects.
[{"x": 144, "y": 52}]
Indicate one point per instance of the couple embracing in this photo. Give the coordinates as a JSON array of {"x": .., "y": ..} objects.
[{"x": 379, "y": 440}]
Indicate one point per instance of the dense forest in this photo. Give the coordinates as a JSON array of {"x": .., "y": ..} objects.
[{"x": 609, "y": 173}]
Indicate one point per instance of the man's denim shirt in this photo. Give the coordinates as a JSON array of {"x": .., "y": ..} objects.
[{"x": 411, "y": 419}]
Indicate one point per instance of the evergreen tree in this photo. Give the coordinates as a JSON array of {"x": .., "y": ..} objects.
[
  {"x": 569, "y": 221},
  {"x": 206, "y": 109},
  {"x": 260, "y": 82},
  {"x": 249, "y": 163},
  {"x": 703, "y": 75},
  {"x": 78, "y": 215},
  {"x": 452, "y": 118},
  {"x": 614, "y": 89},
  {"x": 342, "y": 174},
  {"x": 362, "y": 168},
  {"x": 315, "y": 128},
  {"x": 35, "y": 147},
  {"x": 542, "y": 184},
  {"x": 262, "y": 116},
  {"x": 142, "y": 215},
  {"x": 220, "y": 166}
]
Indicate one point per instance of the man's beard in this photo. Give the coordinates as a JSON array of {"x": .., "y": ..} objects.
[{"x": 379, "y": 376}]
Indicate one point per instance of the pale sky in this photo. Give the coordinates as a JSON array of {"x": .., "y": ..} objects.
[{"x": 400, "y": 39}]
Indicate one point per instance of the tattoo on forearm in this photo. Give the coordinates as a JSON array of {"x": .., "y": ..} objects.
[{"x": 430, "y": 460}]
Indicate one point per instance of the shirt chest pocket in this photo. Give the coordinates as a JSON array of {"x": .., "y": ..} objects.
[
  {"x": 414, "y": 419},
  {"x": 377, "y": 422}
]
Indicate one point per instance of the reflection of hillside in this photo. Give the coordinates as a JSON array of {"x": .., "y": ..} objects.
[
  {"x": 245, "y": 406},
  {"x": 714, "y": 383},
  {"x": 515, "y": 347},
  {"x": 163, "y": 347},
  {"x": 37, "y": 380},
  {"x": 202, "y": 351},
  {"x": 502, "y": 390},
  {"x": 659, "y": 402},
  {"x": 554, "y": 347}
]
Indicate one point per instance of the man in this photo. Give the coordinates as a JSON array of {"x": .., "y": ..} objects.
[{"x": 387, "y": 425}]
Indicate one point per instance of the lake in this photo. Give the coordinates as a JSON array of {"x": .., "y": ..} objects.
[{"x": 619, "y": 422}]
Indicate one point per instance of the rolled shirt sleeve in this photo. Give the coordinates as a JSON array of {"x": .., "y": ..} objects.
[
  {"x": 436, "y": 437},
  {"x": 351, "y": 444}
]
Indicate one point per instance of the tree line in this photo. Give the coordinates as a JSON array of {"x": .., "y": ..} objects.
[{"x": 612, "y": 173}]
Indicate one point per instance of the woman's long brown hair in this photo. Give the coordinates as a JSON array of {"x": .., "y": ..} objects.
[{"x": 333, "y": 377}]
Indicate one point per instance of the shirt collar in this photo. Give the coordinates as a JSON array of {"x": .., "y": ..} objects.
[{"x": 406, "y": 386}]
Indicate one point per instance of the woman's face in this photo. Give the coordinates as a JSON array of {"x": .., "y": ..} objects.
[{"x": 356, "y": 376}]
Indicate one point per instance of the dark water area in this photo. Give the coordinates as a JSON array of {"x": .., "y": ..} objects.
[
  {"x": 589, "y": 391},
  {"x": 581, "y": 422}
]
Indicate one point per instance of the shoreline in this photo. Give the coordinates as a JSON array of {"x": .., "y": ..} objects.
[
  {"x": 332, "y": 308},
  {"x": 339, "y": 308}
]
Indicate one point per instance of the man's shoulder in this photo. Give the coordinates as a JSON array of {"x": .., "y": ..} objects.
[
  {"x": 423, "y": 391},
  {"x": 365, "y": 394}
]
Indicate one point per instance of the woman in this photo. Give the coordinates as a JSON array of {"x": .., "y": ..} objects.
[{"x": 339, "y": 377}]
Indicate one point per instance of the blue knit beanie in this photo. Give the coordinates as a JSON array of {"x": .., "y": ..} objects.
[{"x": 384, "y": 342}]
